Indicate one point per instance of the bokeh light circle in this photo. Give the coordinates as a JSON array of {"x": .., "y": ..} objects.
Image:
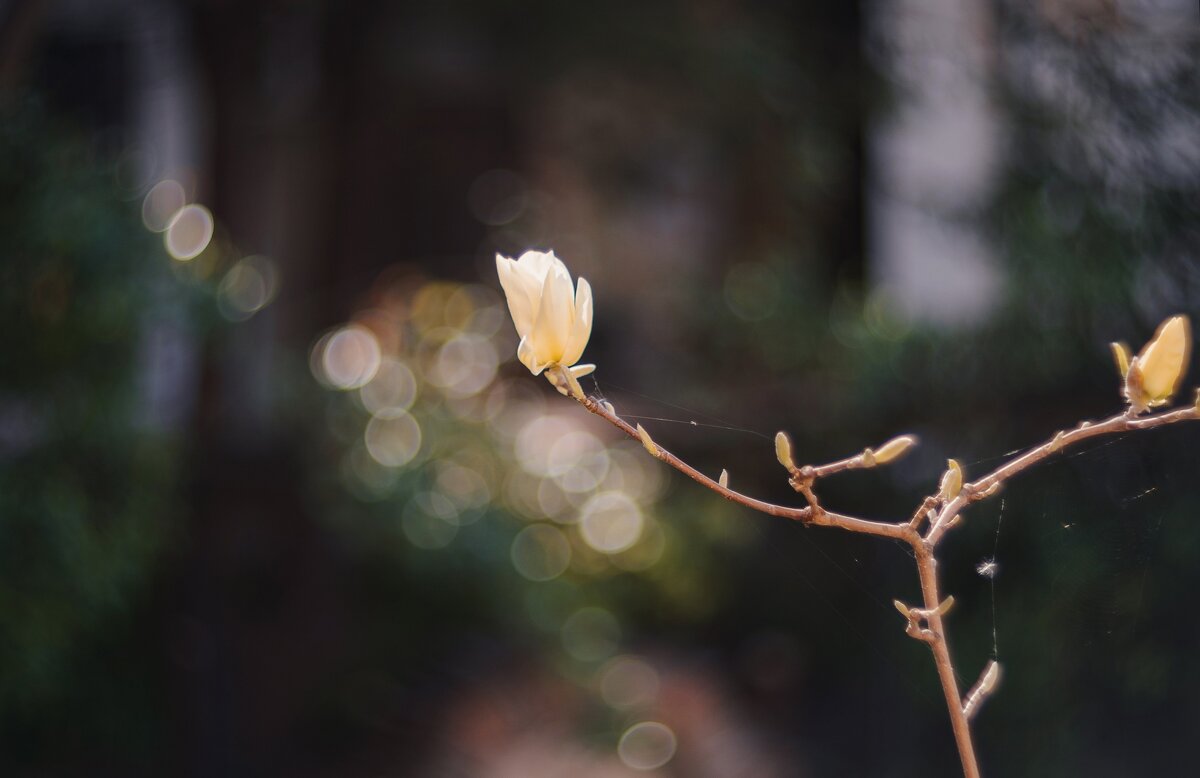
[
  {"x": 541, "y": 552},
  {"x": 247, "y": 288},
  {"x": 392, "y": 387},
  {"x": 350, "y": 357},
  {"x": 465, "y": 365},
  {"x": 611, "y": 522},
  {"x": 393, "y": 437},
  {"x": 162, "y": 202},
  {"x": 189, "y": 233},
  {"x": 647, "y": 745}
]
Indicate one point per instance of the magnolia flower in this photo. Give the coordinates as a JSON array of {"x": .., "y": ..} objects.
[{"x": 553, "y": 318}]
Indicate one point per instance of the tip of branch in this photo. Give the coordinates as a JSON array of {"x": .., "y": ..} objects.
[
  {"x": 783, "y": 451},
  {"x": 952, "y": 481},
  {"x": 987, "y": 683},
  {"x": 894, "y": 449}
]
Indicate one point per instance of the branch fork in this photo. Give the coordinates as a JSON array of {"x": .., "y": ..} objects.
[
  {"x": 539, "y": 292},
  {"x": 938, "y": 513}
]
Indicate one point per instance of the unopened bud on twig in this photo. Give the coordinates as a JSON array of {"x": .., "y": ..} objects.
[
  {"x": 1056, "y": 443},
  {"x": 905, "y": 611},
  {"x": 952, "y": 481},
  {"x": 1155, "y": 373},
  {"x": 648, "y": 442},
  {"x": 724, "y": 479},
  {"x": 783, "y": 451},
  {"x": 573, "y": 387},
  {"x": 894, "y": 449}
]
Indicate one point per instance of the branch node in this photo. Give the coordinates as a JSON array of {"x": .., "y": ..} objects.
[
  {"x": 803, "y": 478},
  {"x": 925, "y": 511},
  {"x": 978, "y": 494}
]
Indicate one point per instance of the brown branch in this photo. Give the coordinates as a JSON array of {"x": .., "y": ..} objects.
[
  {"x": 938, "y": 645},
  {"x": 808, "y": 515},
  {"x": 856, "y": 462},
  {"x": 982, "y": 690},
  {"x": 925, "y": 624},
  {"x": 990, "y": 483}
]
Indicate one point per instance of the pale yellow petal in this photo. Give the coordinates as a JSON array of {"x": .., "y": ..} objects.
[
  {"x": 579, "y": 371},
  {"x": 537, "y": 264},
  {"x": 552, "y": 326},
  {"x": 581, "y": 327},
  {"x": 522, "y": 304},
  {"x": 528, "y": 356},
  {"x": 1163, "y": 359}
]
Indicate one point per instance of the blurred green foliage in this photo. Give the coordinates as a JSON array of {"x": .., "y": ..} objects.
[{"x": 86, "y": 477}]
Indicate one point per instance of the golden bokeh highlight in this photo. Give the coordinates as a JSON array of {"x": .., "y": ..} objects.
[{"x": 611, "y": 522}]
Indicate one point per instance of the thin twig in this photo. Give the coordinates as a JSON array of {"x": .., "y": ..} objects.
[
  {"x": 932, "y": 632},
  {"x": 987, "y": 485},
  {"x": 982, "y": 689},
  {"x": 808, "y": 515}
]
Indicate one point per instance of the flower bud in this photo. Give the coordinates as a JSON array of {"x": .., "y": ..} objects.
[
  {"x": 724, "y": 479},
  {"x": 648, "y": 442},
  {"x": 894, "y": 449},
  {"x": 783, "y": 451},
  {"x": 1155, "y": 373},
  {"x": 553, "y": 315},
  {"x": 945, "y": 606},
  {"x": 952, "y": 481}
]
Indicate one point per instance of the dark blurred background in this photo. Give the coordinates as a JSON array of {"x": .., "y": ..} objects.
[{"x": 277, "y": 499}]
